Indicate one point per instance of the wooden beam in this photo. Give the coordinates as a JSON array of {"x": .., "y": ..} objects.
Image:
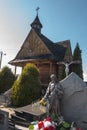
[{"x": 50, "y": 67}]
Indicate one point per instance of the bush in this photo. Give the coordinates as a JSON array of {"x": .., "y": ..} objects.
[
  {"x": 7, "y": 79},
  {"x": 77, "y": 56},
  {"x": 27, "y": 88}
]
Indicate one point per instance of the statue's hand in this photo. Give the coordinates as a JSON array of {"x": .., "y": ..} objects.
[{"x": 43, "y": 102}]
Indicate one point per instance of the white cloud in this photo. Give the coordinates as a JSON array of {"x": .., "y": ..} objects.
[{"x": 85, "y": 76}]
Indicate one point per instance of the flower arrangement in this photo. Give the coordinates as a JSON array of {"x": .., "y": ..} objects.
[{"x": 47, "y": 124}]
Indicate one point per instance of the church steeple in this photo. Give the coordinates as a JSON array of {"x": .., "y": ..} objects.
[{"x": 36, "y": 24}]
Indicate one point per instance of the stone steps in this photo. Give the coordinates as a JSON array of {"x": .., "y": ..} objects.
[
  {"x": 11, "y": 124},
  {"x": 20, "y": 120}
]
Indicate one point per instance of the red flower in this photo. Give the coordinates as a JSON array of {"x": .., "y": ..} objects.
[
  {"x": 49, "y": 119},
  {"x": 40, "y": 124}
]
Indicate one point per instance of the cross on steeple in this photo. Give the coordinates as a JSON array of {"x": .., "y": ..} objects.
[
  {"x": 37, "y": 10},
  {"x": 36, "y": 24}
]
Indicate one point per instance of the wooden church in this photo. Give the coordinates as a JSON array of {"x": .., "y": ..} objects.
[{"x": 44, "y": 53}]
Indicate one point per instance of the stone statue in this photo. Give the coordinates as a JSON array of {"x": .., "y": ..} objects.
[
  {"x": 67, "y": 64},
  {"x": 67, "y": 67},
  {"x": 53, "y": 96}
]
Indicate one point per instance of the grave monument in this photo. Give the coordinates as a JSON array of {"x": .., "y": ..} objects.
[{"x": 3, "y": 120}]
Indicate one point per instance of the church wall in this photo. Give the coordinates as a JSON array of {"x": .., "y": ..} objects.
[{"x": 45, "y": 70}]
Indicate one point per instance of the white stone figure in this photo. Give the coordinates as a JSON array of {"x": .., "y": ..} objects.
[{"x": 67, "y": 64}]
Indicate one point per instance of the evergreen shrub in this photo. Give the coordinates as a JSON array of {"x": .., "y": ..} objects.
[
  {"x": 7, "y": 79},
  {"x": 26, "y": 88}
]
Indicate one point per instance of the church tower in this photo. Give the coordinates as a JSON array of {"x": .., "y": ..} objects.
[{"x": 36, "y": 24}]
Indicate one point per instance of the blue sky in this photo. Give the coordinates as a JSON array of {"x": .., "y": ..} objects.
[{"x": 61, "y": 20}]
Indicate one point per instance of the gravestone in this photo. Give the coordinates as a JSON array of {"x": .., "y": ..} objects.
[
  {"x": 74, "y": 102},
  {"x": 35, "y": 110},
  {"x": 3, "y": 120}
]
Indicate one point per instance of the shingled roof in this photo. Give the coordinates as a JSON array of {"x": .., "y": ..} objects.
[{"x": 58, "y": 51}]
